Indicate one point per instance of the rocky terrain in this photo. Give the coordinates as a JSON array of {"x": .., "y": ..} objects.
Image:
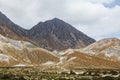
[
  {"x": 78, "y": 59},
  {"x": 109, "y": 47},
  {"x": 58, "y": 35}
]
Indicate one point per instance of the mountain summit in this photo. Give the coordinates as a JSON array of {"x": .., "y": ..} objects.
[{"x": 56, "y": 34}]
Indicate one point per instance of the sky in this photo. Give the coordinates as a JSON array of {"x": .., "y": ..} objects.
[{"x": 96, "y": 18}]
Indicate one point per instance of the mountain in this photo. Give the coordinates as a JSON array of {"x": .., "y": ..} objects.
[
  {"x": 52, "y": 35},
  {"x": 17, "y": 53},
  {"x": 58, "y": 35},
  {"x": 109, "y": 47},
  {"x": 10, "y": 29}
]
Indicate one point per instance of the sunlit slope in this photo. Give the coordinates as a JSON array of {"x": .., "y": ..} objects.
[{"x": 14, "y": 52}]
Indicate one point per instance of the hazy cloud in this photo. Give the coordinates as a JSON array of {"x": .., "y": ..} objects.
[{"x": 89, "y": 16}]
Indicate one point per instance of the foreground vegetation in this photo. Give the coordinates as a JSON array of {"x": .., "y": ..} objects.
[{"x": 35, "y": 73}]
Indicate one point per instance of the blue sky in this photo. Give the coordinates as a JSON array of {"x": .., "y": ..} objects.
[
  {"x": 117, "y": 34},
  {"x": 113, "y": 4},
  {"x": 96, "y": 18},
  {"x": 112, "y": 35}
]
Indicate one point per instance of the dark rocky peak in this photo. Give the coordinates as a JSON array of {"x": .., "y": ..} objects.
[
  {"x": 56, "y": 20},
  {"x": 53, "y": 25},
  {"x": 61, "y": 33},
  {"x": 49, "y": 24}
]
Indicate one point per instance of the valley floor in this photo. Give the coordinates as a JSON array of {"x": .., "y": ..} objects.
[{"x": 38, "y": 73}]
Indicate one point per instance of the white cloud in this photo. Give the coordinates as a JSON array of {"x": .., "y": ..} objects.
[
  {"x": 106, "y": 22},
  {"x": 89, "y": 16}
]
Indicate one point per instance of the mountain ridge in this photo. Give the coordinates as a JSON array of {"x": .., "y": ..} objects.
[
  {"x": 5, "y": 20},
  {"x": 52, "y": 34}
]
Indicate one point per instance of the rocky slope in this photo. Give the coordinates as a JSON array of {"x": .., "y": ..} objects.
[
  {"x": 109, "y": 47},
  {"x": 14, "y": 52},
  {"x": 56, "y": 34},
  {"x": 10, "y": 29},
  {"x": 104, "y": 53},
  {"x": 76, "y": 59}
]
